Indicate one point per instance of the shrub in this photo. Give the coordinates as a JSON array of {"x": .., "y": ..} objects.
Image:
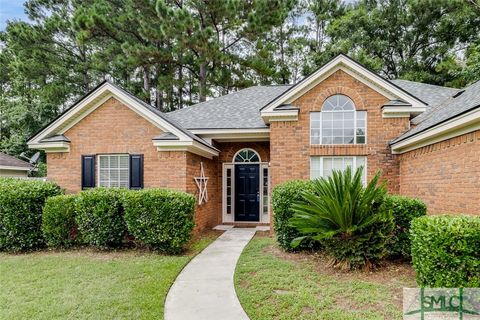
[
  {"x": 347, "y": 218},
  {"x": 162, "y": 219},
  {"x": 21, "y": 203},
  {"x": 404, "y": 210},
  {"x": 58, "y": 221},
  {"x": 99, "y": 216},
  {"x": 445, "y": 251},
  {"x": 283, "y": 198}
]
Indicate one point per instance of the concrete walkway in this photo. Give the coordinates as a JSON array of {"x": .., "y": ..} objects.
[{"x": 204, "y": 290}]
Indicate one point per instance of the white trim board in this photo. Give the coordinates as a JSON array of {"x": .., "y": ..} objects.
[
  {"x": 94, "y": 100},
  {"x": 455, "y": 127},
  {"x": 354, "y": 69},
  {"x": 15, "y": 168},
  {"x": 233, "y": 135}
]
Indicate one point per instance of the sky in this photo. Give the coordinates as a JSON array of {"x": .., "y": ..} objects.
[{"x": 9, "y": 10}]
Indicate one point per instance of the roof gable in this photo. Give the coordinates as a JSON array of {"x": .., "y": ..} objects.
[
  {"x": 94, "y": 99},
  {"x": 354, "y": 69}
]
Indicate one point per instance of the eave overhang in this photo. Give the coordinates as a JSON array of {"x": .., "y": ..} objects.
[{"x": 457, "y": 126}]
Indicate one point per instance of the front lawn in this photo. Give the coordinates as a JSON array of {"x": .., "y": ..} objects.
[
  {"x": 89, "y": 284},
  {"x": 272, "y": 284}
]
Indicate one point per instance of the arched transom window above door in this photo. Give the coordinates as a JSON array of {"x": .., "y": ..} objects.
[
  {"x": 338, "y": 122},
  {"x": 246, "y": 155}
]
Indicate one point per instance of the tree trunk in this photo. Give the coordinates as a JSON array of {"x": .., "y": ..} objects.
[
  {"x": 146, "y": 83},
  {"x": 202, "y": 82},
  {"x": 180, "y": 88},
  {"x": 158, "y": 100}
]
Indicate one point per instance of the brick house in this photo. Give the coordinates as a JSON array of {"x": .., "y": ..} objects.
[{"x": 425, "y": 139}]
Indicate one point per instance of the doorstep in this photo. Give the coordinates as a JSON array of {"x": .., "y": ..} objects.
[{"x": 257, "y": 226}]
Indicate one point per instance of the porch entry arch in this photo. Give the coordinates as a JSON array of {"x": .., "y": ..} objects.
[{"x": 245, "y": 188}]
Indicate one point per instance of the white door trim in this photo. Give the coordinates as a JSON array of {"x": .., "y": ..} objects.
[{"x": 230, "y": 217}]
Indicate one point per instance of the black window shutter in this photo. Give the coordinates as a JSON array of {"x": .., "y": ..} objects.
[
  {"x": 88, "y": 172},
  {"x": 136, "y": 171}
]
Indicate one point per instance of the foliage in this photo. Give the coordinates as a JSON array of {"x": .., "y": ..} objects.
[
  {"x": 414, "y": 40},
  {"x": 99, "y": 216},
  {"x": 404, "y": 210},
  {"x": 58, "y": 221},
  {"x": 162, "y": 219},
  {"x": 348, "y": 219},
  {"x": 283, "y": 198},
  {"x": 177, "y": 53},
  {"x": 21, "y": 203},
  {"x": 445, "y": 251}
]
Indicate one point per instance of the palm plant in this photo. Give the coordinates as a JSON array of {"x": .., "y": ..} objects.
[{"x": 346, "y": 217}]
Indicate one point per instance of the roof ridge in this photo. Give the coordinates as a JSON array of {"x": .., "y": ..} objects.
[
  {"x": 226, "y": 95},
  {"x": 427, "y": 84}
]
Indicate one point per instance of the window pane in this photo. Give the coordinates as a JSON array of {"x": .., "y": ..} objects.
[
  {"x": 315, "y": 167},
  {"x": 337, "y": 116},
  {"x": 348, "y": 115},
  {"x": 337, "y": 140},
  {"x": 348, "y": 140},
  {"x": 360, "y": 139},
  {"x": 335, "y": 163},
  {"x": 327, "y": 140},
  {"x": 114, "y": 171},
  {"x": 361, "y": 115},
  {"x": 327, "y": 116},
  {"x": 315, "y": 116}
]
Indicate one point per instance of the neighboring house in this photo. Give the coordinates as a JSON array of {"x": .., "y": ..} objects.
[
  {"x": 13, "y": 167},
  {"x": 425, "y": 139}
]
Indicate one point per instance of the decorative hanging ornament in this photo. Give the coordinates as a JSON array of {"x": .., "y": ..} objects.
[{"x": 201, "y": 182}]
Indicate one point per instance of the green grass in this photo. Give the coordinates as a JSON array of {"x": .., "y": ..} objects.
[
  {"x": 272, "y": 284},
  {"x": 89, "y": 284}
]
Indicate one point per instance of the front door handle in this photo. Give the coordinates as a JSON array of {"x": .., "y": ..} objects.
[{"x": 258, "y": 196}]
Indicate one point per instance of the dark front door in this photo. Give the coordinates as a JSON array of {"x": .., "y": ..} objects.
[{"x": 247, "y": 187}]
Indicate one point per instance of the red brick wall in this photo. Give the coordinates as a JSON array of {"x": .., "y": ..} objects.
[
  {"x": 446, "y": 175},
  {"x": 115, "y": 128},
  {"x": 290, "y": 148},
  {"x": 207, "y": 215}
]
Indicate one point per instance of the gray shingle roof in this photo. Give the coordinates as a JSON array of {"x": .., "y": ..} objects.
[
  {"x": 166, "y": 136},
  {"x": 236, "y": 110},
  {"x": 431, "y": 94},
  {"x": 56, "y": 138},
  {"x": 450, "y": 108},
  {"x": 10, "y": 161},
  {"x": 164, "y": 116}
]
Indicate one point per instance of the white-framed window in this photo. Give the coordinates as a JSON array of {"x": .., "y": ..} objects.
[
  {"x": 265, "y": 189},
  {"x": 246, "y": 155},
  {"x": 323, "y": 166},
  {"x": 338, "y": 122},
  {"x": 113, "y": 170}
]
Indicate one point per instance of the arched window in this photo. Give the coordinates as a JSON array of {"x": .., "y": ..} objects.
[
  {"x": 338, "y": 123},
  {"x": 246, "y": 155}
]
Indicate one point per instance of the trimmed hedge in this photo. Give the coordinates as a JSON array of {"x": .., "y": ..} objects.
[
  {"x": 58, "y": 221},
  {"x": 404, "y": 210},
  {"x": 283, "y": 198},
  {"x": 162, "y": 219},
  {"x": 99, "y": 216},
  {"x": 445, "y": 251},
  {"x": 21, "y": 203}
]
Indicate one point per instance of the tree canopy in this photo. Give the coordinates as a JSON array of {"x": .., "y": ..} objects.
[{"x": 174, "y": 53}]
